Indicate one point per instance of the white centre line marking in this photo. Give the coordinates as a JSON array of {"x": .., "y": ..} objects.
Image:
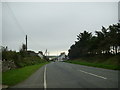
[
  {"x": 45, "y": 84},
  {"x": 93, "y": 74}
]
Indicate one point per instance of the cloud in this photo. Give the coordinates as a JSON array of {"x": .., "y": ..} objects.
[{"x": 53, "y": 26}]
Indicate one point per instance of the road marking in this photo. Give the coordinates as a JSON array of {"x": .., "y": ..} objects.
[
  {"x": 93, "y": 74},
  {"x": 45, "y": 84}
]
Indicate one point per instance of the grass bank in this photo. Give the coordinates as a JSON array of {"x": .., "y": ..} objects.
[
  {"x": 107, "y": 63},
  {"x": 15, "y": 76},
  {"x": 99, "y": 65}
]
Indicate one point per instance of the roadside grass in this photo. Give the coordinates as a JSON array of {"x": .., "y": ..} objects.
[
  {"x": 95, "y": 64},
  {"x": 0, "y": 77},
  {"x": 15, "y": 76}
]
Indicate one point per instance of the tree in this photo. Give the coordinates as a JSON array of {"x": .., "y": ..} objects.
[
  {"x": 102, "y": 41},
  {"x": 81, "y": 47},
  {"x": 22, "y": 51},
  {"x": 100, "y": 44}
]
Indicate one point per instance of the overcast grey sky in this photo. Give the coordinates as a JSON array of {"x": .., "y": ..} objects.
[{"x": 53, "y": 26}]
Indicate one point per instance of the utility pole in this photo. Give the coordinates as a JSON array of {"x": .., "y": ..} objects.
[
  {"x": 45, "y": 52},
  {"x": 26, "y": 42},
  {"x": 48, "y": 53}
]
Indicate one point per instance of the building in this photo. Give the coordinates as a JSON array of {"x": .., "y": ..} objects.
[
  {"x": 40, "y": 54},
  {"x": 62, "y": 57}
]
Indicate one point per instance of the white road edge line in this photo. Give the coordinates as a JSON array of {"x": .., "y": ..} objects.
[
  {"x": 93, "y": 74},
  {"x": 45, "y": 84}
]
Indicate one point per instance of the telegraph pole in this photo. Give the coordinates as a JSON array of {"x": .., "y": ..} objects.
[
  {"x": 48, "y": 53},
  {"x": 26, "y": 42},
  {"x": 45, "y": 52}
]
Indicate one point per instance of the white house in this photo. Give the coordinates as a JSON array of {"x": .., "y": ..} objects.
[
  {"x": 40, "y": 54},
  {"x": 62, "y": 57}
]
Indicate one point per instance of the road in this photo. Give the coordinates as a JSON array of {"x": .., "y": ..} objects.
[{"x": 66, "y": 75}]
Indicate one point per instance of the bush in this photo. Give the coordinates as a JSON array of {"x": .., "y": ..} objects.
[{"x": 21, "y": 58}]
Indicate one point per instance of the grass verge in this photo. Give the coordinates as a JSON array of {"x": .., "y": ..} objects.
[
  {"x": 94, "y": 64},
  {"x": 15, "y": 76}
]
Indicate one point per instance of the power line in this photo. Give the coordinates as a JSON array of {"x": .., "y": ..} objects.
[
  {"x": 17, "y": 22},
  {"x": 14, "y": 17}
]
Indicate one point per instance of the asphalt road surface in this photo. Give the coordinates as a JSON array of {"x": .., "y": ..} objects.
[{"x": 66, "y": 75}]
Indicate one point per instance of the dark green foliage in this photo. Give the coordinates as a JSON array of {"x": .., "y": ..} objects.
[
  {"x": 81, "y": 47},
  {"x": 21, "y": 62},
  {"x": 9, "y": 54},
  {"x": 105, "y": 42},
  {"x": 21, "y": 58}
]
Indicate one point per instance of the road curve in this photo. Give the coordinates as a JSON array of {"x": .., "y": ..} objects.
[{"x": 66, "y": 75}]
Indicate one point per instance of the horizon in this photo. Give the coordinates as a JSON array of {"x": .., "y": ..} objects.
[{"x": 53, "y": 26}]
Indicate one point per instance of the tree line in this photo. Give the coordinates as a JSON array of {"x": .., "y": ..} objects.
[{"x": 104, "y": 42}]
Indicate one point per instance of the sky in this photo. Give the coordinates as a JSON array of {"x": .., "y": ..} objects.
[{"x": 53, "y": 25}]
